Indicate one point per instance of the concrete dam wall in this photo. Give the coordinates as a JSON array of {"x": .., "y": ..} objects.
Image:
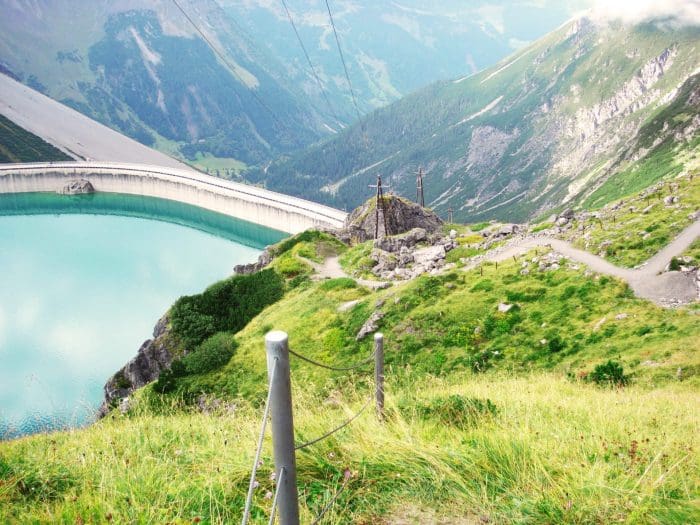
[{"x": 257, "y": 205}]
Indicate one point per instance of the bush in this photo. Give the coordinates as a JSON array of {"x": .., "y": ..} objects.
[
  {"x": 213, "y": 353},
  {"x": 167, "y": 380},
  {"x": 289, "y": 266},
  {"x": 226, "y": 306},
  {"x": 610, "y": 373},
  {"x": 674, "y": 265}
]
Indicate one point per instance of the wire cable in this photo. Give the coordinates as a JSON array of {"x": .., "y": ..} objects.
[
  {"x": 228, "y": 64},
  {"x": 342, "y": 59},
  {"x": 334, "y": 368},
  {"x": 336, "y": 429},
  {"x": 308, "y": 59},
  {"x": 277, "y": 493},
  {"x": 266, "y": 412}
]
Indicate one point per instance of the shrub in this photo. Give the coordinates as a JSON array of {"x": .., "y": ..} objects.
[
  {"x": 610, "y": 373},
  {"x": 456, "y": 410},
  {"x": 289, "y": 266},
  {"x": 167, "y": 380},
  {"x": 556, "y": 344},
  {"x": 674, "y": 265},
  {"x": 213, "y": 353},
  {"x": 296, "y": 282},
  {"x": 226, "y": 306}
]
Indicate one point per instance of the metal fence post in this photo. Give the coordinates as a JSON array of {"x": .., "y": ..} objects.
[
  {"x": 277, "y": 348},
  {"x": 379, "y": 373}
]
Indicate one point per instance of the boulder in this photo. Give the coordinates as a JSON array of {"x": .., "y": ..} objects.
[
  {"x": 371, "y": 324},
  {"x": 567, "y": 214},
  {"x": 395, "y": 243},
  {"x": 77, "y": 187},
  {"x": 401, "y": 216}
]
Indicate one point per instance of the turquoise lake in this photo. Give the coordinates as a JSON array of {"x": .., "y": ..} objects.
[{"x": 84, "y": 279}]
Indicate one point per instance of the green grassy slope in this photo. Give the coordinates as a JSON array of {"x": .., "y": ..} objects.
[
  {"x": 490, "y": 413},
  {"x": 19, "y": 145},
  {"x": 625, "y": 235}
]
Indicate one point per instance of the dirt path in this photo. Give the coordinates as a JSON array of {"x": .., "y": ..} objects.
[
  {"x": 331, "y": 269},
  {"x": 647, "y": 281}
]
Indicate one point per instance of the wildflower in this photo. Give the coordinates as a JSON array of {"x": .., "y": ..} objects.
[
  {"x": 273, "y": 476},
  {"x": 256, "y": 484},
  {"x": 268, "y": 495}
]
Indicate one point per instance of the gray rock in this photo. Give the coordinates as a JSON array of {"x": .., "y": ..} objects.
[
  {"x": 371, "y": 325},
  {"x": 503, "y": 307},
  {"x": 401, "y": 216},
  {"x": 567, "y": 214},
  {"x": 154, "y": 356},
  {"x": 77, "y": 187},
  {"x": 429, "y": 254},
  {"x": 395, "y": 243},
  {"x": 264, "y": 259}
]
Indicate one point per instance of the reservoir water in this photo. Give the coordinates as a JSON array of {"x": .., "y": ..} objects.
[{"x": 83, "y": 280}]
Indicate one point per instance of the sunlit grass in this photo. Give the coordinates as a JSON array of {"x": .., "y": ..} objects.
[{"x": 556, "y": 451}]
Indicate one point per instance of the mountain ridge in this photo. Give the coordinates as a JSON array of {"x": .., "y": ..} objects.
[{"x": 527, "y": 134}]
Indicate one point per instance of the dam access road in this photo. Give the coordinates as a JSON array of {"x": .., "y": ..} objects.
[{"x": 267, "y": 208}]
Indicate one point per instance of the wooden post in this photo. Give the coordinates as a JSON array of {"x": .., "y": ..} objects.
[
  {"x": 277, "y": 348},
  {"x": 379, "y": 373}
]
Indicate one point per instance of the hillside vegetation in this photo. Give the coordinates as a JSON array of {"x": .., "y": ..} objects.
[
  {"x": 19, "y": 145},
  {"x": 567, "y": 408}
]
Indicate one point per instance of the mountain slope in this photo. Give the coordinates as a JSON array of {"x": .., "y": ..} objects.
[
  {"x": 534, "y": 132},
  {"x": 140, "y": 67}
]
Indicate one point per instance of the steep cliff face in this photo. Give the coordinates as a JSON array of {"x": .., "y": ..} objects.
[{"x": 154, "y": 356}]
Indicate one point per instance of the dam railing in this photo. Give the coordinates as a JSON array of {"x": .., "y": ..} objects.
[{"x": 259, "y": 205}]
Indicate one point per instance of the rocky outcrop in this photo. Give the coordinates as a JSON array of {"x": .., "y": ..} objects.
[
  {"x": 264, "y": 259},
  {"x": 154, "y": 356},
  {"x": 77, "y": 187},
  {"x": 401, "y": 216}
]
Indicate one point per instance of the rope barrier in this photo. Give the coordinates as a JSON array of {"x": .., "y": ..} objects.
[
  {"x": 251, "y": 486},
  {"x": 336, "y": 429},
  {"x": 277, "y": 493},
  {"x": 334, "y": 368}
]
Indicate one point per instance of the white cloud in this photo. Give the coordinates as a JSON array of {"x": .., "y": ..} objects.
[{"x": 681, "y": 12}]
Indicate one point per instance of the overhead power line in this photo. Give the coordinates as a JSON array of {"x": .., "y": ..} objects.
[
  {"x": 342, "y": 59},
  {"x": 227, "y": 63},
  {"x": 311, "y": 66}
]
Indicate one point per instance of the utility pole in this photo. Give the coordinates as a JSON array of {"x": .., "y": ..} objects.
[
  {"x": 449, "y": 214},
  {"x": 379, "y": 204},
  {"x": 420, "y": 199}
]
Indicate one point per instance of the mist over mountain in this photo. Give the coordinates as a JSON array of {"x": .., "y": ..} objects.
[{"x": 142, "y": 68}]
